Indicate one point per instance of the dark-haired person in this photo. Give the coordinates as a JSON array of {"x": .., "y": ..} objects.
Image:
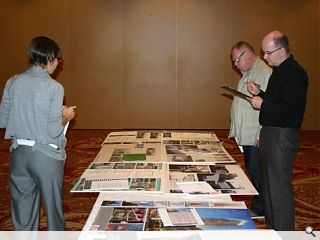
[
  {"x": 282, "y": 107},
  {"x": 245, "y": 127},
  {"x": 33, "y": 114}
]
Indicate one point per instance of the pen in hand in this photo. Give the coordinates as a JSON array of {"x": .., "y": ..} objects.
[{"x": 253, "y": 87}]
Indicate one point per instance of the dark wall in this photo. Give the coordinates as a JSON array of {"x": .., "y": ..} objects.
[{"x": 156, "y": 63}]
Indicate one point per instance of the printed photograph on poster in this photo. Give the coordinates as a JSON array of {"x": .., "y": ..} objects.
[
  {"x": 212, "y": 218},
  {"x": 197, "y": 153},
  {"x": 127, "y": 184},
  {"x": 119, "y": 219},
  {"x": 199, "y": 187},
  {"x": 136, "y": 152},
  {"x": 224, "y": 179}
]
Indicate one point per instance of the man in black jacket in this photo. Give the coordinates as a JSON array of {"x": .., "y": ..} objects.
[{"x": 282, "y": 107}]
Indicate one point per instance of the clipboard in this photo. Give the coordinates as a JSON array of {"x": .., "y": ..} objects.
[{"x": 237, "y": 93}]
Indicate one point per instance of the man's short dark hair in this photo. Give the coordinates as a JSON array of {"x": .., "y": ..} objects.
[
  {"x": 42, "y": 50},
  {"x": 281, "y": 41}
]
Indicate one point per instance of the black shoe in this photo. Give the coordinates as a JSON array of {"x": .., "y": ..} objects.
[{"x": 255, "y": 215}]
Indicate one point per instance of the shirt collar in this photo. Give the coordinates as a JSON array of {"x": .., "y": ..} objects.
[
  {"x": 285, "y": 63},
  {"x": 38, "y": 70}
]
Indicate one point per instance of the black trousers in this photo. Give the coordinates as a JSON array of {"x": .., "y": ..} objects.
[{"x": 278, "y": 147}]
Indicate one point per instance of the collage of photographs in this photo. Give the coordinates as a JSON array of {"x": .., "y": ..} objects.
[{"x": 149, "y": 217}]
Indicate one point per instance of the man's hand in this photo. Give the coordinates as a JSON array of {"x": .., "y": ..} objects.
[
  {"x": 256, "y": 102},
  {"x": 253, "y": 88}
]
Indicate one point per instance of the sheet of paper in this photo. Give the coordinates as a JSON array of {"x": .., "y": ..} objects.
[
  {"x": 110, "y": 184},
  {"x": 196, "y": 187},
  {"x": 179, "y": 217},
  {"x": 240, "y": 147},
  {"x": 66, "y": 128}
]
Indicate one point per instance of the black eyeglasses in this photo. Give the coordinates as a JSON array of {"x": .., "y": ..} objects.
[
  {"x": 270, "y": 52},
  {"x": 237, "y": 59}
]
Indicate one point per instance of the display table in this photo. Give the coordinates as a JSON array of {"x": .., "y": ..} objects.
[{"x": 165, "y": 180}]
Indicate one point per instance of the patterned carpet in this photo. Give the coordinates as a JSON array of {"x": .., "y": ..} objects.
[{"x": 83, "y": 145}]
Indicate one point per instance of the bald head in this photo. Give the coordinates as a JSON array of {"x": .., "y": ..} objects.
[
  {"x": 275, "y": 46},
  {"x": 278, "y": 39}
]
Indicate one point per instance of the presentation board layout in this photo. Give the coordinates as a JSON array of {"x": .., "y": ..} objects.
[
  {"x": 224, "y": 179},
  {"x": 122, "y": 177},
  {"x": 175, "y": 178},
  {"x": 157, "y": 152},
  {"x": 162, "y": 215},
  {"x": 163, "y": 146},
  {"x": 161, "y": 136}
]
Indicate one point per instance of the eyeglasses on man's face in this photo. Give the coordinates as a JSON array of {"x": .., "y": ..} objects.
[
  {"x": 237, "y": 59},
  {"x": 270, "y": 52}
]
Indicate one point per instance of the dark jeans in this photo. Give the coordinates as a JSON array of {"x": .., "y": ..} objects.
[{"x": 251, "y": 158}]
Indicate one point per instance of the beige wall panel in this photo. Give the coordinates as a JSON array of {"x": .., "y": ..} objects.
[
  {"x": 156, "y": 63},
  {"x": 149, "y": 64},
  {"x": 203, "y": 63},
  {"x": 302, "y": 26},
  {"x": 96, "y": 63},
  {"x": 20, "y": 21},
  {"x": 253, "y": 19}
]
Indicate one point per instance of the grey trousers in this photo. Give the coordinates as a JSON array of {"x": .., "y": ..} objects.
[
  {"x": 278, "y": 147},
  {"x": 34, "y": 175}
]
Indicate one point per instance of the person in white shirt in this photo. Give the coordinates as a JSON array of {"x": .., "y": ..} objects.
[{"x": 245, "y": 127}]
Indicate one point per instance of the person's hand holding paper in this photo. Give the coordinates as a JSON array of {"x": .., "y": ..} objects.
[
  {"x": 237, "y": 93},
  {"x": 68, "y": 114}
]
